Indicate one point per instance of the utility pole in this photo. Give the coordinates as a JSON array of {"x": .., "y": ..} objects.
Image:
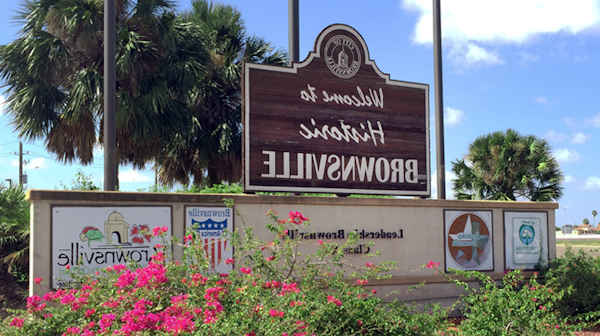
[
  {"x": 439, "y": 99},
  {"x": 293, "y": 31},
  {"x": 20, "y": 164},
  {"x": 110, "y": 160}
]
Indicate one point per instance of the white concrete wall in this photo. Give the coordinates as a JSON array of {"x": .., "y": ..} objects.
[{"x": 422, "y": 222}]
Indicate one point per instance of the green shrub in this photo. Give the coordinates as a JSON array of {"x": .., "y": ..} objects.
[
  {"x": 14, "y": 232},
  {"x": 580, "y": 273},
  {"x": 513, "y": 307}
]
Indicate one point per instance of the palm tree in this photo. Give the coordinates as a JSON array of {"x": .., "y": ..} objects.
[
  {"x": 53, "y": 73},
  {"x": 594, "y": 214},
  {"x": 209, "y": 149},
  {"x": 508, "y": 166},
  {"x": 14, "y": 230}
]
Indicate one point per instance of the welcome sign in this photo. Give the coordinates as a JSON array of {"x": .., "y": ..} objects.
[
  {"x": 92, "y": 238},
  {"x": 335, "y": 123}
]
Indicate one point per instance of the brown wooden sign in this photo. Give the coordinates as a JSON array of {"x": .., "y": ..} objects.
[{"x": 335, "y": 123}]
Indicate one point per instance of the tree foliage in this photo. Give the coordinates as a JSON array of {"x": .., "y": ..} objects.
[
  {"x": 209, "y": 149},
  {"x": 53, "y": 73},
  {"x": 508, "y": 166},
  {"x": 14, "y": 231},
  {"x": 178, "y": 83}
]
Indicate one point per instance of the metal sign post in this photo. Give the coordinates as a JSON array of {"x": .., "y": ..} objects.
[
  {"x": 110, "y": 162},
  {"x": 439, "y": 100}
]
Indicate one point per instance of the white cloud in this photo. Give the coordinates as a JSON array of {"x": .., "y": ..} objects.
[
  {"x": 554, "y": 136},
  {"x": 476, "y": 54},
  {"x": 566, "y": 155},
  {"x": 2, "y": 104},
  {"x": 471, "y": 54},
  {"x": 453, "y": 116},
  {"x": 596, "y": 120},
  {"x": 541, "y": 100},
  {"x": 580, "y": 138},
  {"x": 592, "y": 182},
  {"x": 98, "y": 151},
  {"x": 450, "y": 177},
  {"x": 36, "y": 163},
  {"x": 133, "y": 176},
  {"x": 504, "y": 21},
  {"x": 569, "y": 179}
]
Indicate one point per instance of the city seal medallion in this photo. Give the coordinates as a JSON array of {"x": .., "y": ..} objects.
[{"x": 342, "y": 56}]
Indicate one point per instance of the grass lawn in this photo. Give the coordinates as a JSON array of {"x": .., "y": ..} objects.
[
  {"x": 579, "y": 242},
  {"x": 589, "y": 246}
]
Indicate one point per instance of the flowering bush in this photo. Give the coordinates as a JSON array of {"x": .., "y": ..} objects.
[{"x": 273, "y": 290}]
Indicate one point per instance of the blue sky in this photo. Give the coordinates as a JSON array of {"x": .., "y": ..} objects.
[{"x": 530, "y": 65}]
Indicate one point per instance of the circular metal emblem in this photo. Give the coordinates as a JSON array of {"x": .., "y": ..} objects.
[
  {"x": 526, "y": 234},
  {"x": 342, "y": 56},
  {"x": 468, "y": 239}
]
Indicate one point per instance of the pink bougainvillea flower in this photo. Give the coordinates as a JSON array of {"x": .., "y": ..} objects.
[
  {"x": 37, "y": 281},
  {"x": 246, "y": 270},
  {"x": 67, "y": 299},
  {"x": 34, "y": 303},
  {"x": 158, "y": 257},
  {"x": 276, "y": 313},
  {"x": 296, "y": 217},
  {"x": 431, "y": 264},
  {"x": 229, "y": 261},
  {"x": 106, "y": 321},
  {"x": 369, "y": 264},
  {"x": 17, "y": 322},
  {"x": 270, "y": 258},
  {"x": 362, "y": 282},
  {"x": 73, "y": 331},
  {"x": 333, "y": 299},
  {"x": 320, "y": 242}
]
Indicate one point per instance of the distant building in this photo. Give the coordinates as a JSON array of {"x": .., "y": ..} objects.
[
  {"x": 583, "y": 229},
  {"x": 567, "y": 229}
]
